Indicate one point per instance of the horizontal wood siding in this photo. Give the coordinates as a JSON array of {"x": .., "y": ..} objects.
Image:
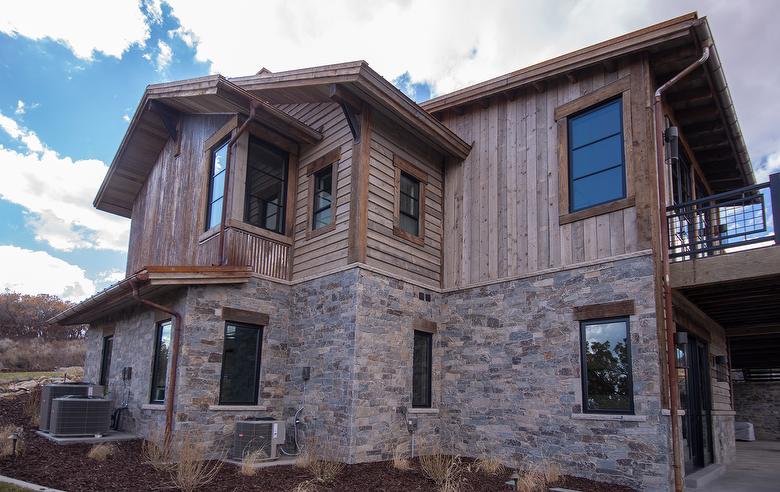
[
  {"x": 326, "y": 251},
  {"x": 502, "y": 204},
  {"x": 385, "y": 250},
  {"x": 165, "y": 220}
]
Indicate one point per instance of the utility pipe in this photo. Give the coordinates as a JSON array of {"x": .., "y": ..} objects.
[
  {"x": 226, "y": 184},
  {"x": 177, "y": 328},
  {"x": 671, "y": 358}
]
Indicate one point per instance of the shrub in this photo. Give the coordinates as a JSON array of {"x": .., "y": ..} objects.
[
  {"x": 100, "y": 452},
  {"x": 318, "y": 460},
  {"x": 305, "y": 486},
  {"x": 489, "y": 466},
  {"x": 250, "y": 461},
  {"x": 7, "y": 444},
  {"x": 193, "y": 467},
  {"x": 157, "y": 452},
  {"x": 32, "y": 407},
  {"x": 447, "y": 471},
  {"x": 37, "y": 354},
  {"x": 400, "y": 461},
  {"x": 538, "y": 478}
]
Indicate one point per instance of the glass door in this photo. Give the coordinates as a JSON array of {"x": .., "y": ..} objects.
[{"x": 695, "y": 399}]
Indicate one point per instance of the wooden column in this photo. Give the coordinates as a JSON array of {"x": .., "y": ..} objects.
[{"x": 358, "y": 208}]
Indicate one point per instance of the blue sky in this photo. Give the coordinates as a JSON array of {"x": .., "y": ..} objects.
[{"x": 71, "y": 79}]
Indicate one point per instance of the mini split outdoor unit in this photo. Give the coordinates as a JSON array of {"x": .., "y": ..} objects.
[
  {"x": 80, "y": 416},
  {"x": 57, "y": 390},
  {"x": 262, "y": 433}
]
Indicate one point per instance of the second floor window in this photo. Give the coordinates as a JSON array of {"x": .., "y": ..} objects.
[
  {"x": 162, "y": 350},
  {"x": 409, "y": 204},
  {"x": 322, "y": 210},
  {"x": 216, "y": 185},
  {"x": 596, "y": 163},
  {"x": 266, "y": 186}
]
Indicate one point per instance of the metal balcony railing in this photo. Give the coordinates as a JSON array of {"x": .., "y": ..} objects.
[{"x": 713, "y": 224}]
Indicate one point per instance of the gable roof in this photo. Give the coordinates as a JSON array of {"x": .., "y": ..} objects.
[
  {"x": 154, "y": 123},
  {"x": 674, "y": 43},
  {"x": 355, "y": 81}
]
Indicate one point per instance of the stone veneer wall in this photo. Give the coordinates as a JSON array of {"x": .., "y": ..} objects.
[
  {"x": 506, "y": 376},
  {"x": 759, "y": 404}
]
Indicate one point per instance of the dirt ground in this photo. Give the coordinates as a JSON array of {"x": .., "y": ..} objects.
[{"x": 68, "y": 468}]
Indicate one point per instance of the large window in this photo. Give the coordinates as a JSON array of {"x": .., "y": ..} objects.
[
  {"x": 409, "y": 204},
  {"x": 162, "y": 352},
  {"x": 596, "y": 160},
  {"x": 606, "y": 366},
  {"x": 216, "y": 185},
  {"x": 266, "y": 186},
  {"x": 105, "y": 363},
  {"x": 322, "y": 207},
  {"x": 240, "y": 364},
  {"x": 421, "y": 369}
]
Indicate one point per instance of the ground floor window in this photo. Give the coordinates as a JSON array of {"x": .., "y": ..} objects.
[
  {"x": 162, "y": 350},
  {"x": 606, "y": 366},
  {"x": 421, "y": 369},
  {"x": 240, "y": 364},
  {"x": 105, "y": 363}
]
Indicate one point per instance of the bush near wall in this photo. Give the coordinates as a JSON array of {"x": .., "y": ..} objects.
[{"x": 37, "y": 354}]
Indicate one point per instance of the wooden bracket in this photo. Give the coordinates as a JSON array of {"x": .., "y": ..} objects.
[
  {"x": 168, "y": 116},
  {"x": 350, "y": 105}
]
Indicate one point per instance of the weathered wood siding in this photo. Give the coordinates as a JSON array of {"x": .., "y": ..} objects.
[
  {"x": 329, "y": 250},
  {"x": 384, "y": 249},
  {"x": 164, "y": 228},
  {"x": 501, "y": 204}
]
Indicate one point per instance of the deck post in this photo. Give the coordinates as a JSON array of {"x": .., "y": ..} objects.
[{"x": 774, "y": 193}]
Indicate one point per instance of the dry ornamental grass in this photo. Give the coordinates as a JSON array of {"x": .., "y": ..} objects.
[
  {"x": 250, "y": 461},
  {"x": 100, "y": 452},
  {"x": 537, "y": 478},
  {"x": 489, "y": 466},
  {"x": 400, "y": 461},
  {"x": 7, "y": 443},
  {"x": 157, "y": 452},
  {"x": 193, "y": 467}
]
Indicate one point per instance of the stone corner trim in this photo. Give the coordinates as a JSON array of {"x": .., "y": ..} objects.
[
  {"x": 609, "y": 416},
  {"x": 605, "y": 310},
  {"x": 244, "y": 316}
]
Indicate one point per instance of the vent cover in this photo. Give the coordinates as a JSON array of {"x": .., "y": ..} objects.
[
  {"x": 251, "y": 435},
  {"x": 74, "y": 416},
  {"x": 57, "y": 390}
]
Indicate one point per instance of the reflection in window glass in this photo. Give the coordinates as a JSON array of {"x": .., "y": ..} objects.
[
  {"x": 240, "y": 364},
  {"x": 322, "y": 212},
  {"x": 409, "y": 204},
  {"x": 607, "y": 366},
  {"x": 162, "y": 349},
  {"x": 596, "y": 163},
  {"x": 216, "y": 185},
  {"x": 266, "y": 186},
  {"x": 421, "y": 367}
]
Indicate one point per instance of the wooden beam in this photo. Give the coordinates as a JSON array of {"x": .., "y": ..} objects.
[
  {"x": 358, "y": 209},
  {"x": 168, "y": 116},
  {"x": 731, "y": 267},
  {"x": 604, "y": 310}
]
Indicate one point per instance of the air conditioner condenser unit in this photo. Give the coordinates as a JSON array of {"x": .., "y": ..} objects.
[
  {"x": 264, "y": 433},
  {"x": 57, "y": 390},
  {"x": 80, "y": 416}
]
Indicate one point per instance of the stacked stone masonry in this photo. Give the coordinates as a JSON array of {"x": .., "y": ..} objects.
[{"x": 506, "y": 367}]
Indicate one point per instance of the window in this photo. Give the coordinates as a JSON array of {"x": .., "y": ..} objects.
[
  {"x": 606, "y": 366},
  {"x": 322, "y": 208},
  {"x": 421, "y": 369},
  {"x": 596, "y": 162},
  {"x": 240, "y": 364},
  {"x": 266, "y": 186},
  {"x": 162, "y": 349},
  {"x": 216, "y": 185},
  {"x": 105, "y": 363},
  {"x": 409, "y": 204}
]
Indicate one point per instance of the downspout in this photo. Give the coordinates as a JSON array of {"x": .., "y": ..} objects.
[
  {"x": 664, "y": 249},
  {"x": 177, "y": 329},
  {"x": 233, "y": 139}
]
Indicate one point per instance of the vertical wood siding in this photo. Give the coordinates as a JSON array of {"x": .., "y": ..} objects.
[{"x": 502, "y": 203}]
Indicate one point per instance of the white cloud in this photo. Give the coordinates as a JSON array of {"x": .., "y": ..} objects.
[
  {"x": 20, "y": 107},
  {"x": 126, "y": 117},
  {"x": 57, "y": 193},
  {"x": 85, "y": 26},
  {"x": 164, "y": 55},
  {"x": 770, "y": 165},
  {"x": 109, "y": 277},
  {"x": 37, "y": 272}
]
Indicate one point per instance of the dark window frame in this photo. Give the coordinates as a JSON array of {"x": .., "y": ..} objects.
[
  {"x": 105, "y": 365},
  {"x": 316, "y": 176},
  {"x": 281, "y": 214},
  {"x": 258, "y": 363},
  {"x": 157, "y": 339},
  {"x": 584, "y": 366},
  {"x": 404, "y": 167},
  {"x": 401, "y": 213},
  {"x": 429, "y": 396},
  {"x": 570, "y": 119},
  {"x": 210, "y": 200}
]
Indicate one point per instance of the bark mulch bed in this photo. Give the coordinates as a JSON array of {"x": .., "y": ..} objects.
[{"x": 68, "y": 468}]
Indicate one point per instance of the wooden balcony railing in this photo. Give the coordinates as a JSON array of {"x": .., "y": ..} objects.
[
  {"x": 713, "y": 224},
  {"x": 264, "y": 255}
]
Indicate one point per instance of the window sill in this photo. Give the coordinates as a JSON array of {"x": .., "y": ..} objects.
[
  {"x": 153, "y": 406},
  {"x": 418, "y": 240},
  {"x": 237, "y": 408},
  {"x": 423, "y": 411},
  {"x": 666, "y": 411},
  {"x": 609, "y": 416},
  {"x": 205, "y": 236},
  {"x": 311, "y": 234},
  {"x": 602, "y": 209}
]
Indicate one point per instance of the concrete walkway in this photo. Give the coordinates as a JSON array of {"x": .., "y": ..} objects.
[{"x": 757, "y": 469}]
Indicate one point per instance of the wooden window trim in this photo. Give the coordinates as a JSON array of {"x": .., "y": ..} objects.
[
  {"x": 620, "y": 87},
  {"x": 244, "y": 316},
  {"x": 333, "y": 159},
  {"x": 617, "y": 309},
  {"x": 402, "y": 165},
  {"x": 425, "y": 325},
  {"x": 208, "y": 148}
]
